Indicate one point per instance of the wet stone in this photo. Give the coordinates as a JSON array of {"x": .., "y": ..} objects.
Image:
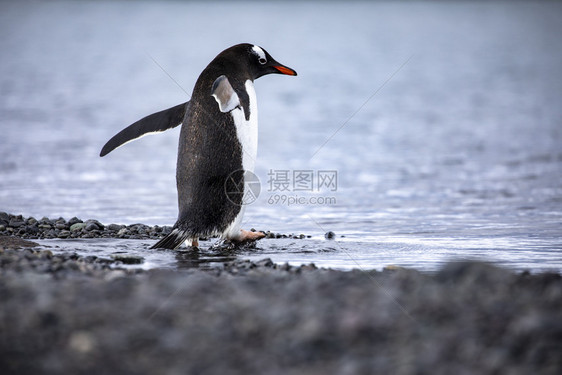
[
  {"x": 330, "y": 235},
  {"x": 77, "y": 226},
  {"x": 91, "y": 226},
  {"x": 74, "y": 220},
  {"x": 15, "y": 242},
  {"x": 127, "y": 258},
  {"x": 115, "y": 227},
  {"x": 265, "y": 263},
  {"x": 32, "y": 229},
  {"x": 16, "y": 223}
]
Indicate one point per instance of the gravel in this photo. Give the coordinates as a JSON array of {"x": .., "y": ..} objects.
[
  {"x": 31, "y": 228},
  {"x": 67, "y": 314}
]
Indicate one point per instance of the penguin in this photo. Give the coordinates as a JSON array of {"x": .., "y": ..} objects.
[{"x": 217, "y": 145}]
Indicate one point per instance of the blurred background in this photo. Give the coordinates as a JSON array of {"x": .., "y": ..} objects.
[{"x": 442, "y": 119}]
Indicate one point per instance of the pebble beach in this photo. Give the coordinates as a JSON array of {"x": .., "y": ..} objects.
[{"x": 49, "y": 228}]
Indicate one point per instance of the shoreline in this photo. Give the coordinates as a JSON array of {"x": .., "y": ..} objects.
[{"x": 48, "y": 228}]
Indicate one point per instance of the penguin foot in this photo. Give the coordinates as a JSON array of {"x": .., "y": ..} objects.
[{"x": 246, "y": 236}]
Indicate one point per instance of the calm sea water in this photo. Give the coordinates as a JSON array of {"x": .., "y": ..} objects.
[{"x": 421, "y": 132}]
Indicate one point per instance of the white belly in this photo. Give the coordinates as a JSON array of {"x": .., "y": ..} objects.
[{"x": 247, "y": 132}]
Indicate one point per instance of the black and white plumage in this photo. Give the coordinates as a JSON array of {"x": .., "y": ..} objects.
[{"x": 218, "y": 137}]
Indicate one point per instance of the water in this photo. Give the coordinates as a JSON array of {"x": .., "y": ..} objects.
[{"x": 442, "y": 121}]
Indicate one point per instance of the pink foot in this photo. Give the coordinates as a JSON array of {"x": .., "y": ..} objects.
[{"x": 246, "y": 235}]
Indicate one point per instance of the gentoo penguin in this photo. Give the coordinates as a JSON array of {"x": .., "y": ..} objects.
[{"x": 218, "y": 142}]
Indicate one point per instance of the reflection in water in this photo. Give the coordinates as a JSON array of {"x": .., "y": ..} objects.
[{"x": 193, "y": 257}]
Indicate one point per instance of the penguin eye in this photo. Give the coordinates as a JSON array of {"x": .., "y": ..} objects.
[{"x": 262, "y": 60}]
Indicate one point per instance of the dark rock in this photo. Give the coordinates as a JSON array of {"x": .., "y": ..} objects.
[
  {"x": 16, "y": 223},
  {"x": 15, "y": 242},
  {"x": 73, "y": 221},
  {"x": 90, "y": 226},
  {"x": 128, "y": 258},
  {"x": 99, "y": 225},
  {"x": 267, "y": 262},
  {"x": 32, "y": 229},
  {"x": 61, "y": 226},
  {"x": 115, "y": 227},
  {"x": 285, "y": 267},
  {"x": 330, "y": 235}
]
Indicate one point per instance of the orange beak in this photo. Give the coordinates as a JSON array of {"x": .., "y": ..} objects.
[{"x": 284, "y": 70}]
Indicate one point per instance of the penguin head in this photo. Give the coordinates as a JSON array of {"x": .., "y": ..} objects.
[
  {"x": 261, "y": 63},
  {"x": 255, "y": 60}
]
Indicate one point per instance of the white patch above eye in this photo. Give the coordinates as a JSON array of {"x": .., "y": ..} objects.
[{"x": 261, "y": 54}]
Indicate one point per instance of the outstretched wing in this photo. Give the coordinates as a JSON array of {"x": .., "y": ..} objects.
[{"x": 154, "y": 123}]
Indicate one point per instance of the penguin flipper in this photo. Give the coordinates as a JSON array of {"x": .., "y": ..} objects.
[
  {"x": 154, "y": 123},
  {"x": 173, "y": 240},
  {"x": 224, "y": 94}
]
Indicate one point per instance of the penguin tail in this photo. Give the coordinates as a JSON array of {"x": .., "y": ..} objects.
[{"x": 173, "y": 240}]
